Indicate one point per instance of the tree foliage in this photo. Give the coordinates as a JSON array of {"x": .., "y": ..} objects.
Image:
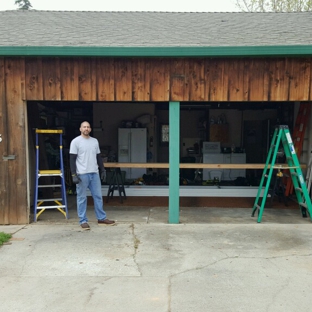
[
  {"x": 274, "y": 5},
  {"x": 23, "y": 4}
]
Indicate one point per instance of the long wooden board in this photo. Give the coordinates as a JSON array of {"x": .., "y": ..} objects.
[{"x": 194, "y": 165}]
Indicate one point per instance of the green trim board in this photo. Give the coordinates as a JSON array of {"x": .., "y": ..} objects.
[
  {"x": 287, "y": 50},
  {"x": 174, "y": 162}
]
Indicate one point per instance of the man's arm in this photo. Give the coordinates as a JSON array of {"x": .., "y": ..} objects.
[
  {"x": 72, "y": 163},
  {"x": 73, "y": 168},
  {"x": 101, "y": 167},
  {"x": 100, "y": 162}
]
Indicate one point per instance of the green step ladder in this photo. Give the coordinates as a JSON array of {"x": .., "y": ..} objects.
[
  {"x": 282, "y": 135},
  {"x": 60, "y": 203}
]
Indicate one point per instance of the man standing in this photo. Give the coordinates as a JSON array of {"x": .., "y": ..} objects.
[{"x": 87, "y": 167}]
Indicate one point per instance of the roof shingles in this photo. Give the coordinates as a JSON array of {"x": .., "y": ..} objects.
[{"x": 153, "y": 29}]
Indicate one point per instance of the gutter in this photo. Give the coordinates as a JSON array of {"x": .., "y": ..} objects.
[{"x": 243, "y": 51}]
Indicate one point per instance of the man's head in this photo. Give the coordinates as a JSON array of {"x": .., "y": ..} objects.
[{"x": 85, "y": 129}]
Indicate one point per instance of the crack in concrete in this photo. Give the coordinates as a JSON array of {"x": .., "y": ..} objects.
[
  {"x": 169, "y": 295},
  {"x": 273, "y": 257},
  {"x": 148, "y": 216},
  {"x": 90, "y": 295},
  {"x": 92, "y": 291},
  {"x": 170, "y": 278},
  {"x": 22, "y": 228},
  {"x": 227, "y": 258},
  {"x": 136, "y": 243},
  {"x": 200, "y": 267},
  {"x": 32, "y": 248},
  {"x": 182, "y": 272},
  {"x": 274, "y": 296}
]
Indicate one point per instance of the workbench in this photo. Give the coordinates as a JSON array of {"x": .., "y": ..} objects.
[
  {"x": 193, "y": 166},
  {"x": 189, "y": 190}
]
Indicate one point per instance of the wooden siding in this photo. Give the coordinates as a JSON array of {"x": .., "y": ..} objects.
[
  {"x": 131, "y": 80},
  {"x": 4, "y": 168},
  {"x": 14, "y": 203},
  {"x": 163, "y": 79}
]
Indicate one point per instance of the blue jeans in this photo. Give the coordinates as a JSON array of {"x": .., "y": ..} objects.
[{"x": 93, "y": 182}]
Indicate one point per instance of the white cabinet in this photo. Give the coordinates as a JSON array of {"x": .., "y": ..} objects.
[
  {"x": 226, "y": 174},
  {"x": 212, "y": 159},
  {"x": 132, "y": 148},
  {"x": 238, "y": 158}
]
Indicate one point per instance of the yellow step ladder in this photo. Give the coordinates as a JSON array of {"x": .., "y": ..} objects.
[{"x": 60, "y": 203}]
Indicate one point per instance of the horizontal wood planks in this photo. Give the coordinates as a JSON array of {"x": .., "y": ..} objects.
[{"x": 168, "y": 79}]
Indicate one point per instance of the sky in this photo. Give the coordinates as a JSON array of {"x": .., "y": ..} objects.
[{"x": 128, "y": 5}]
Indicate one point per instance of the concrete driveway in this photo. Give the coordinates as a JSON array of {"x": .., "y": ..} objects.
[{"x": 215, "y": 260}]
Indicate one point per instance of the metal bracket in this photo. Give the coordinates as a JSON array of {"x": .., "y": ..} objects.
[{"x": 9, "y": 157}]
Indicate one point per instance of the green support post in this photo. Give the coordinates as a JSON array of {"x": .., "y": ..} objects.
[{"x": 174, "y": 162}]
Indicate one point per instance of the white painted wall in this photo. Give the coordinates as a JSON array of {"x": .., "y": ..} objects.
[{"x": 111, "y": 115}]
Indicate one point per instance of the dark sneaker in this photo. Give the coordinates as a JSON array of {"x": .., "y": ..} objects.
[
  {"x": 85, "y": 226},
  {"x": 106, "y": 222}
]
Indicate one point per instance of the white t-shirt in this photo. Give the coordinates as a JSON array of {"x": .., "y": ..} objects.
[{"x": 86, "y": 150}]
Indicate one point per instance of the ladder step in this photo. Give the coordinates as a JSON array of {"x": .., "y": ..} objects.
[
  {"x": 295, "y": 175},
  {"x": 50, "y": 175},
  {"x": 49, "y": 131},
  {"x": 51, "y": 207},
  {"x": 50, "y": 171},
  {"x": 49, "y": 199},
  {"x": 303, "y": 205},
  {"x": 50, "y": 185},
  {"x": 59, "y": 201}
]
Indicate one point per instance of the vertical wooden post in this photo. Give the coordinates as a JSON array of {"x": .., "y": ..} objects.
[
  {"x": 16, "y": 182},
  {"x": 174, "y": 161},
  {"x": 4, "y": 146}
]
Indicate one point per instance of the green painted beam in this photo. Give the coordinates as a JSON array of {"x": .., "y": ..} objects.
[
  {"x": 174, "y": 162},
  {"x": 235, "y": 51}
]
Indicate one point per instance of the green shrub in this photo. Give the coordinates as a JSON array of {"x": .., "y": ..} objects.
[{"x": 4, "y": 237}]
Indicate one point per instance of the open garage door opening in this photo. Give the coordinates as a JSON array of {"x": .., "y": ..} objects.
[{"x": 241, "y": 131}]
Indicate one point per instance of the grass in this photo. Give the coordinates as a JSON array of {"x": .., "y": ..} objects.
[{"x": 4, "y": 237}]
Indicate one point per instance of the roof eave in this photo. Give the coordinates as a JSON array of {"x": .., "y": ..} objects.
[{"x": 243, "y": 51}]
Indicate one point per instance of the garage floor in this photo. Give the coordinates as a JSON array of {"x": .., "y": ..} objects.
[
  {"x": 226, "y": 202},
  {"x": 150, "y": 210}
]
